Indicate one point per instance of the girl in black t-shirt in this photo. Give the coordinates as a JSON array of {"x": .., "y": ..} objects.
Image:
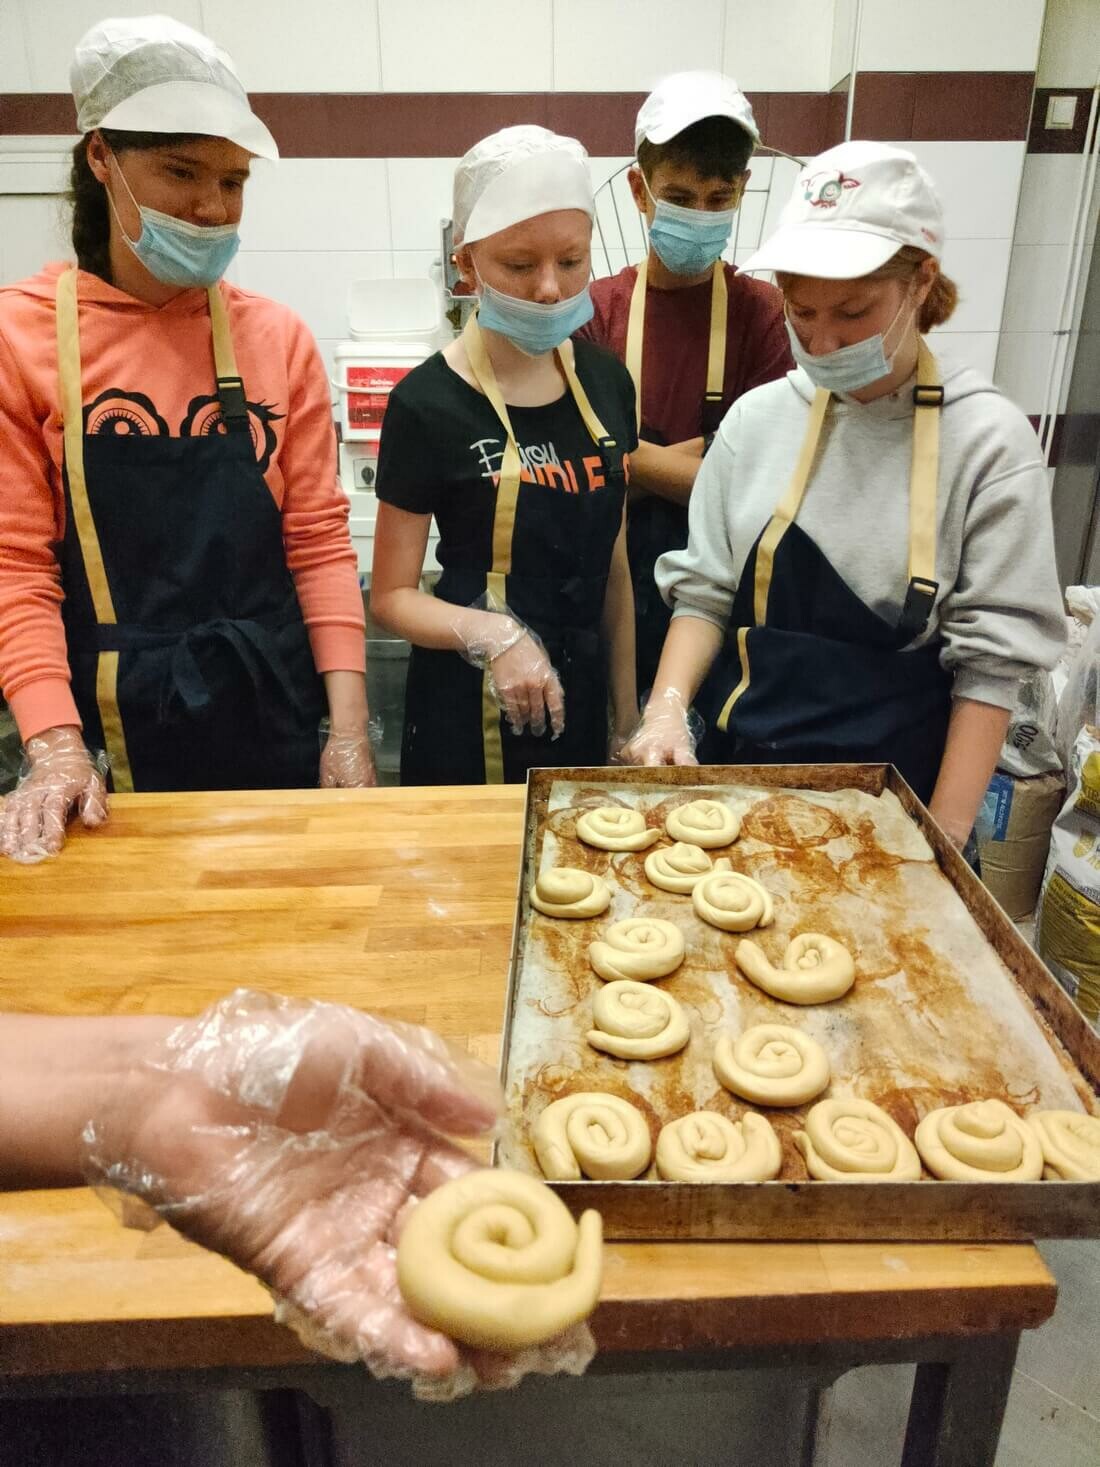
[{"x": 519, "y": 450}]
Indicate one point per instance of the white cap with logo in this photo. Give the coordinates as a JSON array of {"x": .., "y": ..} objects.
[
  {"x": 154, "y": 74},
  {"x": 852, "y": 209},
  {"x": 515, "y": 174},
  {"x": 687, "y": 97}
]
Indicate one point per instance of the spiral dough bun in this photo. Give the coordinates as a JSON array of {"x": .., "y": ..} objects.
[
  {"x": 677, "y": 868},
  {"x": 816, "y": 969},
  {"x": 772, "y": 1064},
  {"x": 640, "y": 948},
  {"x": 600, "y": 1135},
  {"x": 980, "y": 1142},
  {"x": 634, "y": 1021},
  {"x": 565, "y": 891},
  {"x": 494, "y": 1260},
  {"x": 856, "y": 1141},
  {"x": 707, "y": 1147},
  {"x": 707, "y": 823},
  {"x": 613, "y": 828},
  {"x": 1071, "y": 1144},
  {"x": 732, "y": 901}
]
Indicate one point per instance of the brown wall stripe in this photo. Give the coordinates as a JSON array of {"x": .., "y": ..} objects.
[{"x": 893, "y": 106}]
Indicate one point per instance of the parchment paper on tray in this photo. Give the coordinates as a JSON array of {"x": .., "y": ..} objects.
[{"x": 934, "y": 1018}]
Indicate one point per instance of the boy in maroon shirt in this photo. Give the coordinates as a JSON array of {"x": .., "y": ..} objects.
[{"x": 691, "y": 354}]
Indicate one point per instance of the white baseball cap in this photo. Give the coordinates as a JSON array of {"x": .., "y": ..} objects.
[
  {"x": 516, "y": 174},
  {"x": 852, "y": 209},
  {"x": 153, "y": 74},
  {"x": 688, "y": 96}
]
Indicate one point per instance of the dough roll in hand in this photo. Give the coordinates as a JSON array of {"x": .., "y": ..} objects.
[
  {"x": 707, "y": 823},
  {"x": 603, "y": 1136},
  {"x": 494, "y": 1260},
  {"x": 636, "y": 1022},
  {"x": 1071, "y": 1144},
  {"x": 613, "y": 828},
  {"x": 732, "y": 901},
  {"x": 983, "y": 1141},
  {"x": 816, "y": 969},
  {"x": 772, "y": 1064},
  {"x": 566, "y": 891},
  {"x": 639, "y": 948},
  {"x": 708, "y": 1147},
  {"x": 856, "y": 1141}
]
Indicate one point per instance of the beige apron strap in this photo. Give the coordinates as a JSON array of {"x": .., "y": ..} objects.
[
  {"x": 924, "y": 473},
  {"x": 225, "y": 358},
  {"x": 596, "y": 430},
  {"x": 72, "y": 419},
  {"x": 635, "y": 337},
  {"x": 787, "y": 508},
  {"x": 719, "y": 318}
]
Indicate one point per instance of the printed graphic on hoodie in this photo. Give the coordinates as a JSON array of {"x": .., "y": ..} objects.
[{"x": 125, "y": 414}]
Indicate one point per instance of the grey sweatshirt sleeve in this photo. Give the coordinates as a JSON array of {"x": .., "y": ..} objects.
[
  {"x": 1004, "y": 616},
  {"x": 701, "y": 580}
]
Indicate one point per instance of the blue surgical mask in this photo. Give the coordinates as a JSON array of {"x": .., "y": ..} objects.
[
  {"x": 688, "y": 241},
  {"x": 532, "y": 325},
  {"x": 849, "y": 368},
  {"x": 175, "y": 252}
]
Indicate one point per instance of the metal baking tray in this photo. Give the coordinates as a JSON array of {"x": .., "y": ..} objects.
[{"x": 950, "y": 1005}]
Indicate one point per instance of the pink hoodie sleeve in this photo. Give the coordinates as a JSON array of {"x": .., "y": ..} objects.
[
  {"x": 34, "y": 664},
  {"x": 315, "y": 510}
]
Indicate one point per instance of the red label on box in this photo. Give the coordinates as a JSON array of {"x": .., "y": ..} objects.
[{"x": 371, "y": 392}]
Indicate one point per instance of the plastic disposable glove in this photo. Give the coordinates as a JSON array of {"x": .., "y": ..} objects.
[
  {"x": 668, "y": 733},
  {"x": 521, "y": 678},
  {"x": 347, "y": 759},
  {"x": 292, "y": 1137},
  {"x": 59, "y": 774}
]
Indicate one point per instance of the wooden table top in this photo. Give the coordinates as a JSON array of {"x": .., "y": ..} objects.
[{"x": 399, "y": 901}]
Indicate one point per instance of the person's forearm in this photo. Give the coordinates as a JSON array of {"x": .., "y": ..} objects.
[
  {"x": 347, "y": 702},
  {"x": 55, "y": 1075},
  {"x": 618, "y": 629},
  {"x": 426, "y": 621},
  {"x": 667, "y": 472},
  {"x": 690, "y": 647},
  {"x": 974, "y": 738}
]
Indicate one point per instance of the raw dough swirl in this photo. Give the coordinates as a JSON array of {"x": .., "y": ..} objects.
[
  {"x": 856, "y": 1141},
  {"x": 772, "y": 1064},
  {"x": 494, "y": 1260},
  {"x": 566, "y": 891},
  {"x": 634, "y": 1021},
  {"x": 611, "y": 828},
  {"x": 732, "y": 901},
  {"x": 984, "y": 1141},
  {"x": 816, "y": 969},
  {"x": 707, "y": 1147},
  {"x": 708, "y": 823},
  {"x": 677, "y": 868},
  {"x": 641, "y": 948},
  {"x": 600, "y": 1135},
  {"x": 1071, "y": 1144}
]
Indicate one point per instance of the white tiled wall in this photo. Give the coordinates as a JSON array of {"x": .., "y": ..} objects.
[
  {"x": 1070, "y": 55},
  {"x": 950, "y": 35}
]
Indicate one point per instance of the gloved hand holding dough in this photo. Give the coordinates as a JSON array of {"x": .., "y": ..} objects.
[
  {"x": 815, "y": 969},
  {"x": 566, "y": 891},
  {"x": 600, "y": 1135},
  {"x": 706, "y": 823},
  {"x": 612, "y": 828},
  {"x": 772, "y": 1064},
  {"x": 634, "y": 1021},
  {"x": 856, "y": 1141},
  {"x": 494, "y": 1260},
  {"x": 732, "y": 901},
  {"x": 707, "y": 1147},
  {"x": 984, "y": 1141},
  {"x": 640, "y": 948},
  {"x": 1071, "y": 1144},
  {"x": 677, "y": 868}
]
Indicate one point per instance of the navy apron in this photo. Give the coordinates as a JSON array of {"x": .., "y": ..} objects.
[
  {"x": 454, "y": 731},
  {"x": 655, "y": 525},
  {"x": 809, "y": 674},
  {"x": 189, "y": 658}
]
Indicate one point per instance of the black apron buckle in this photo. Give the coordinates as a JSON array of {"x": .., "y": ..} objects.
[
  {"x": 926, "y": 394},
  {"x": 234, "y": 404},
  {"x": 920, "y": 597}
]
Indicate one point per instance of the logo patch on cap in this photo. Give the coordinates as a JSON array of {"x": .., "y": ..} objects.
[{"x": 823, "y": 190}]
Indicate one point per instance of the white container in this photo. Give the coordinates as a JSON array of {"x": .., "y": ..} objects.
[{"x": 395, "y": 325}]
